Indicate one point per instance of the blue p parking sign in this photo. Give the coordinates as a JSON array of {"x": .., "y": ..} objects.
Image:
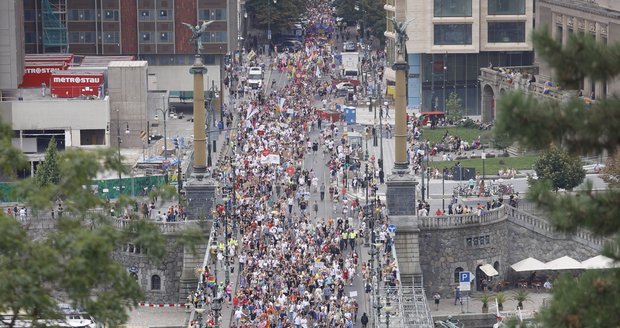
[{"x": 464, "y": 276}]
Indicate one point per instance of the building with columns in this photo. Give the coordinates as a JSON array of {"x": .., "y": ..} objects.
[{"x": 600, "y": 18}]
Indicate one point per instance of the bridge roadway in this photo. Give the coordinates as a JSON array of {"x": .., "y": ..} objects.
[{"x": 392, "y": 302}]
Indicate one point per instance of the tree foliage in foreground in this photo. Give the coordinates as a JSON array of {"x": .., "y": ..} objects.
[
  {"x": 591, "y": 300},
  {"x": 72, "y": 264},
  {"x": 560, "y": 168},
  {"x": 48, "y": 171},
  {"x": 454, "y": 108}
]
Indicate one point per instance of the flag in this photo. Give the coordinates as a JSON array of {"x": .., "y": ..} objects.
[{"x": 252, "y": 110}]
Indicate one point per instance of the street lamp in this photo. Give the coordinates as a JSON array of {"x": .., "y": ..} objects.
[
  {"x": 118, "y": 142},
  {"x": 269, "y": 23},
  {"x": 164, "y": 113}
]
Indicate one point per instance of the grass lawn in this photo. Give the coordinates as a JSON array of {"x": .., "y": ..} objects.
[
  {"x": 466, "y": 134},
  {"x": 492, "y": 165}
]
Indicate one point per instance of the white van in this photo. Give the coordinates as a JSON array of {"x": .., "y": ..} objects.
[{"x": 255, "y": 77}]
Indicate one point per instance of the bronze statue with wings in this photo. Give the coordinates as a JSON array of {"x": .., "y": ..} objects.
[
  {"x": 400, "y": 28},
  {"x": 197, "y": 32}
]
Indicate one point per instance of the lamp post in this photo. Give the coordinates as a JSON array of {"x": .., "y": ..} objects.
[
  {"x": 269, "y": 22},
  {"x": 118, "y": 143},
  {"x": 164, "y": 113},
  {"x": 381, "y": 134}
]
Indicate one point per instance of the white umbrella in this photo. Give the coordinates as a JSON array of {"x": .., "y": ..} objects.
[
  {"x": 564, "y": 263},
  {"x": 599, "y": 262},
  {"x": 529, "y": 264}
]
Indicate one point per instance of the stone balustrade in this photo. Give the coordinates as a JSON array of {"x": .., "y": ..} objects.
[
  {"x": 164, "y": 227},
  {"x": 458, "y": 220}
]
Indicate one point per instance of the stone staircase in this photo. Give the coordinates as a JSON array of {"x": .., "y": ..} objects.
[{"x": 188, "y": 282}]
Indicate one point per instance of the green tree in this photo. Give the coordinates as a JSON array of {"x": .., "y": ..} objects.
[
  {"x": 560, "y": 168},
  {"x": 454, "y": 108},
  {"x": 369, "y": 14},
  {"x": 592, "y": 300},
  {"x": 74, "y": 262},
  {"x": 48, "y": 171},
  {"x": 282, "y": 14}
]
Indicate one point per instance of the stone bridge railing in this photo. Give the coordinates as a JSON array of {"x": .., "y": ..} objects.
[
  {"x": 459, "y": 220},
  {"x": 515, "y": 215},
  {"x": 164, "y": 227},
  {"x": 542, "y": 226}
]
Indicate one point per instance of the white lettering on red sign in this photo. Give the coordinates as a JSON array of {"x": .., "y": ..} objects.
[
  {"x": 77, "y": 80},
  {"x": 41, "y": 70}
]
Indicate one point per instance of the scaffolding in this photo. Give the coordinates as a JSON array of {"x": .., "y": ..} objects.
[
  {"x": 54, "y": 26},
  {"x": 404, "y": 306}
]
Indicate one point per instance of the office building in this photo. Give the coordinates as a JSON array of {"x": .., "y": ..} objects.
[
  {"x": 11, "y": 45},
  {"x": 151, "y": 30},
  {"x": 450, "y": 40}
]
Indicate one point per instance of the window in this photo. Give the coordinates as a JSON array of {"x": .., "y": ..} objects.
[
  {"x": 145, "y": 37},
  {"x": 30, "y": 37},
  {"x": 81, "y": 37},
  {"x": 452, "y": 8},
  {"x": 134, "y": 276},
  {"x": 213, "y": 14},
  {"x": 456, "y": 274},
  {"x": 496, "y": 266},
  {"x": 165, "y": 15},
  {"x": 110, "y": 15},
  {"x": 81, "y": 15},
  {"x": 503, "y": 32},
  {"x": 145, "y": 15},
  {"x": 469, "y": 241},
  {"x": 155, "y": 282},
  {"x": 164, "y": 36},
  {"x": 506, "y": 7},
  {"x": 558, "y": 34},
  {"x": 452, "y": 34},
  {"x": 29, "y": 15},
  {"x": 214, "y": 37},
  {"x": 92, "y": 137},
  {"x": 475, "y": 241},
  {"x": 111, "y": 37}
]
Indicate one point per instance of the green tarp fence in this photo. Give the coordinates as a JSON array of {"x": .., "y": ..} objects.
[{"x": 136, "y": 186}]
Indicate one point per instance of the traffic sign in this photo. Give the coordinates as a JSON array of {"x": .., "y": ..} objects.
[
  {"x": 465, "y": 278},
  {"x": 391, "y": 228}
]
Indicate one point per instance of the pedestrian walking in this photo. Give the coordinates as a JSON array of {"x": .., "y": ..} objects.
[
  {"x": 436, "y": 297},
  {"x": 322, "y": 191},
  {"x": 457, "y": 295},
  {"x": 364, "y": 320}
]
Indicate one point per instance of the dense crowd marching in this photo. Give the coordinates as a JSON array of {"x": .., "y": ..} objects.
[{"x": 294, "y": 264}]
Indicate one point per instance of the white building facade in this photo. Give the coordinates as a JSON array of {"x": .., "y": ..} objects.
[{"x": 450, "y": 40}]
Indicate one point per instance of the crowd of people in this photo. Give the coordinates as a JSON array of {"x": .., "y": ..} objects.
[{"x": 299, "y": 233}]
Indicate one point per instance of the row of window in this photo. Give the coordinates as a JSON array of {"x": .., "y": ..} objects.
[
  {"x": 463, "y": 8},
  {"x": 155, "y": 280},
  {"x": 461, "y": 34},
  {"x": 477, "y": 241},
  {"x": 113, "y": 15},
  {"x": 131, "y": 248},
  {"x": 89, "y": 37},
  {"x": 151, "y": 37}
]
